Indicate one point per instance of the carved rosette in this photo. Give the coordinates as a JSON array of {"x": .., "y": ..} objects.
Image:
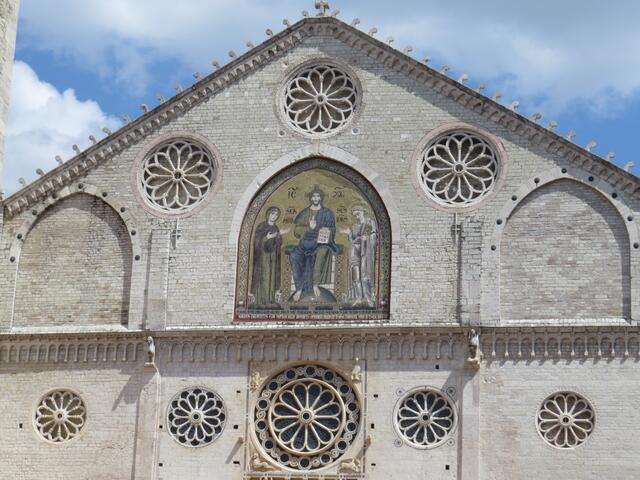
[
  {"x": 60, "y": 416},
  {"x": 307, "y": 417},
  {"x": 425, "y": 417},
  {"x": 320, "y": 99},
  {"x": 458, "y": 169},
  {"x": 196, "y": 417},
  {"x": 176, "y": 176},
  {"x": 565, "y": 420}
]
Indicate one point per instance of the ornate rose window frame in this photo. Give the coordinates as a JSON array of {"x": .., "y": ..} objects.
[
  {"x": 322, "y": 100},
  {"x": 431, "y": 138}
]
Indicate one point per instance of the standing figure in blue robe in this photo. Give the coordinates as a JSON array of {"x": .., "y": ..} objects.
[{"x": 311, "y": 259}]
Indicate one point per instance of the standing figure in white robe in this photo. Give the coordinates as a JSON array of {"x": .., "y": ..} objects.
[{"x": 363, "y": 239}]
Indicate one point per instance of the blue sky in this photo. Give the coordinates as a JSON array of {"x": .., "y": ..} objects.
[{"x": 82, "y": 64}]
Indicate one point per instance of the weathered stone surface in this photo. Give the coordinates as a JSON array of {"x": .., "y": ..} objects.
[{"x": 545, "y": 270}]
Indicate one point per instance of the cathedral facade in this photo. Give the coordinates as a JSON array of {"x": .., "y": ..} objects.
[{"x": 325, "y": 260}]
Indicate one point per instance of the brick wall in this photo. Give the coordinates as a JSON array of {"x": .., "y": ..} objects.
[
  {"x": 75, "y": 267},
  {"x": 565, "y": 254}
]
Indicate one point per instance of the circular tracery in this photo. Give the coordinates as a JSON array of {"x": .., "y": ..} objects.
[
  {"x": 458, "y": 169},
  {"x": 196, "y": 417},
  {"x": 565, "y": 420},
  {"x": 176, "y": 176},
  {"x": 307, "y": 417},
  {"x": 425, "y": 417},
  {"x": 60, "y": 416},
  {"x": 320, "y": 99}
]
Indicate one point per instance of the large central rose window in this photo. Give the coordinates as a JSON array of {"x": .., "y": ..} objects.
[{"x": 307, "y": 417}]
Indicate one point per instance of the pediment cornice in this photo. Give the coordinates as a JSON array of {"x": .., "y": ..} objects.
[{"x": 276, "y": 46}]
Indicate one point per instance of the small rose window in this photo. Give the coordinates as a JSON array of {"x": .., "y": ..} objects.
[
  {"x": 565, "y": 420},
  {"x": 458, "y": 169},
  {"x": 320, "y": 100},
  {"x": 177, "y": 176}
]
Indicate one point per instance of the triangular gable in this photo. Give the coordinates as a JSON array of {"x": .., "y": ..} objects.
[{"x": 276, "y": 46}]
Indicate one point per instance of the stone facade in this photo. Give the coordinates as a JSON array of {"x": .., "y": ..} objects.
[
  {"x": 8, "y": 25},
  {"x": 492, "y": 309}
]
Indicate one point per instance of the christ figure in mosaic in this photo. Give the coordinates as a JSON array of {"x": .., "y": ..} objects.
[
  {"x": 363, "y": 238},
  {"x": 267, "y": 243},
  {"x": 311, "y": 260}
]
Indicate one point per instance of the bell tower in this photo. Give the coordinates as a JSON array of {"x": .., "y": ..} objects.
[{"x": 8, "y": 28}]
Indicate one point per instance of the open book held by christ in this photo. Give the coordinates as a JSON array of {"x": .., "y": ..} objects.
[{"x": 324, "y": 235}]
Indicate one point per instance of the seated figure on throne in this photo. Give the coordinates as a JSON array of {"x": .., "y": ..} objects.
[{"x": 311, "y": 260}]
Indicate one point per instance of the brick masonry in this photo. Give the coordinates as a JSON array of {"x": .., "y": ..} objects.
[{"x": 62, "y": 318}]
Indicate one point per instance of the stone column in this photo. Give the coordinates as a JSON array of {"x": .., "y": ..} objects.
[{"x": 8, "y": 28}]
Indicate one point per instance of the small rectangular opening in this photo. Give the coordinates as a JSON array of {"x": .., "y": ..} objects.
[{"x": 373, "y": 425}]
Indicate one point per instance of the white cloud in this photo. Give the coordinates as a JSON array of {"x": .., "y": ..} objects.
[
  {"x": 43, "y": 123},
  {"x": 549, "y": 53}
]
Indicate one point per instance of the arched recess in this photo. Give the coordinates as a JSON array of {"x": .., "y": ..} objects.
[
  {"x": 564, "y": 254},
  {"x": 74, "y": 263},
  {"x": 314, "y": 244}
]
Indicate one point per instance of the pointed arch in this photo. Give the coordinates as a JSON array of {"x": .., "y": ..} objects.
[{"x": 314, "y": 244}]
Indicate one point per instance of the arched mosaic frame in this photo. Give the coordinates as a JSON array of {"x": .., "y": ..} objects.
[{"x": 242, "y": 312}]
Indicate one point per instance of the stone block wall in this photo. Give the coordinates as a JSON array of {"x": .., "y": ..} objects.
[
  {"x": 433, "y": 279},
  {"x": 8, "y": 27},
  {"x": 565, "y": 255},
  {"x": 74, "y": 268}
]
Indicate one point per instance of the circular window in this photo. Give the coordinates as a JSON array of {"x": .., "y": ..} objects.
[
  {"x": 425, "y": 417},
  {"x": 306, "y": 417},
  {"x": 565, "y": 420},
  {"x": 458, "y": 169},
  {"x": 320, "y": 99},
  {"x": 60, "y": 416},
  {"x": 196, "y": 417},
  {"x": 176, "y": 176}
]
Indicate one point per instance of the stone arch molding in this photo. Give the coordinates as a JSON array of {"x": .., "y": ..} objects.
[
  {"x": 307, "y": 272},
  {"x": 491, "y": 255},
  {"x": 316, "y": 150},
  {"x": 137, "y": 269}
]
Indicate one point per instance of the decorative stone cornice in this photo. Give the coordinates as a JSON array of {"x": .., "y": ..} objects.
[
  {"x": 426, "y": 344},
  {"x": 274, "y": 47}
]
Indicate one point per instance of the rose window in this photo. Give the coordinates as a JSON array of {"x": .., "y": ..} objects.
[
  {"x": 60, "y": 416},
  {"x": 196, "y": 417},
  {"x": 177, "y": 176},
  {"x": 319, "y": 100},
  {"x": 565, "y": 420},
  {"x": 458, "y": 169},
  {"x": 307, "y": 417},
  {"x": 425, "y": 417}
]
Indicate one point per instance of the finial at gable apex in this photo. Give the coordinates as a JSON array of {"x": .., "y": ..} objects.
[{"x": 322, "y": 6}]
